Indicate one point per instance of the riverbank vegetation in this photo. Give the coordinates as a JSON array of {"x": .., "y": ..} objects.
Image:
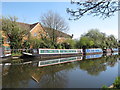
[
  {"x": 14, "y": 32},
  {"x": 116, "y": 83},
  {"x": 96, "y": 39}
]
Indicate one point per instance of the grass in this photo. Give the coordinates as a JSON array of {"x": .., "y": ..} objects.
[{"x": 16, "y": 54}]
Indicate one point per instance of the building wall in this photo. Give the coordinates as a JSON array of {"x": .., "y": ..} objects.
[
  {"x": 37, "y": 32},
  {"x": 61, "y": 39}
]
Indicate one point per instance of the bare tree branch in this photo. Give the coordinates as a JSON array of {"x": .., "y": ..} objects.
[
  {"x": 102, "y": 8},
  {"x": 54, "y": 21}
]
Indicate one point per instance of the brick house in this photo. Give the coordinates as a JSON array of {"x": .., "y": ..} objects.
[
  {"x": 37, "y": 31},
  {"x": 60, "y": 36}
]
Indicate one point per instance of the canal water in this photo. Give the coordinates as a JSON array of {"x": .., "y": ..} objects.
[{"x": 92, "y": 71}]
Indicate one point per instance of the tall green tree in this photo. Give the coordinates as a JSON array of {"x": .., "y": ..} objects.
[
  {"x": 86, "y": 42},
  {"x": 96, "y": 39},
  {"x": 14, "y": 31}
]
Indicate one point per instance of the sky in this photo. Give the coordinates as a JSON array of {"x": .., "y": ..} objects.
[{"x": 30, "y": 12}]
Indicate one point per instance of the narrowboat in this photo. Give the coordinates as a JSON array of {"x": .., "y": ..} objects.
[
  {"x": 115, "y": 53},
  {"x": 107, "y": 50},
  {"x": 5, "y": 51},
  {"x": 108, "y": 54},
  {"x": 93, "y": 51},
  {"x": 58, "y": 61},
  {"x": 115, "y": 50},
  {"x": 53, "y": 53}
]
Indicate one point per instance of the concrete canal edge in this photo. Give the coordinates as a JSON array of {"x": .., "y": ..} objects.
[{"x": 111, "y": 86}]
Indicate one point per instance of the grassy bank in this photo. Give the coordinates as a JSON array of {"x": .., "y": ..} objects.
[{"x": 16, "y": 54}]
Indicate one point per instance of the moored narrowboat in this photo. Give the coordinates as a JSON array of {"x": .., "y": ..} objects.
[
  {"x": 115, "y": 53},
  {"x": 51, "y": 53},
  {"x": 115, "y": 50},
  {"x": 93, "y": 51},
  {"x": 107, "y": 50},
  {"x": 5, "y": 51}
]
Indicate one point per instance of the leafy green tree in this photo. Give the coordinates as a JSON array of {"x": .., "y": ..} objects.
[
  {"x": 69, "y": 44},
  {"x": 14, "y": 31},
  {"x": 117, "y": 83},
  {"x": 0, "y": 39},
  {"x": 36, "y": 43},
  {"x": 96, "y": 39},
  {"x": 85, "y": 42}
]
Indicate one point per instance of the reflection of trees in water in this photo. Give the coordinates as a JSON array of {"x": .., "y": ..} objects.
[
  {"x": 112, "y": 61},
  {"x": 52, "y": 76},
  {"x": 91, "y": 67},
  {"x": 53, "y": 80},
  {"x": 16, "y": 77},
  {"x": 94, "y": 67}
]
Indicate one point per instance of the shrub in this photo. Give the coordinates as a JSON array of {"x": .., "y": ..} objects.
[{"x": 117, "y": 83}]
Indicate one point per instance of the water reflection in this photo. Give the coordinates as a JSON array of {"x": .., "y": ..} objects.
[
  {"x": 94, "y": 67},
  {"x": 93, "y": 56},
  {"x": 58, "y": 61},
  {"x": 16, "y": 77},
  {"x": 56, "y": 76}
]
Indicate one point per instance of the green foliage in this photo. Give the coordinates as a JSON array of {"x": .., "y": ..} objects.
[
  {"x": 14, "y": 32},
  {"x": 16, "y": 54},
  {"x": 117, "y": 83},
  {"x": 96, "y": 39},
  {"x": 26, "y": 44},
  {"x": 1, "y": 38},
  {"x": 84, "y": 42},
  {"x": 104, "y": 86},
  {"x": 68, "y": 44},
  {"x": 36, "y": 43}
]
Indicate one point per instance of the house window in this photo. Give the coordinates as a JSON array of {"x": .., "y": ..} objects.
[{"x": 35, "y": 34}]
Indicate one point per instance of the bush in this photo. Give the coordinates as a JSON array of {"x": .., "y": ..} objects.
[
  {"x": 117, "y": 83},
  {"x": 68, "y": 44}
]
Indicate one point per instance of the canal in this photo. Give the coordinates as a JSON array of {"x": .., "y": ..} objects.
[{"x": 93, "y": 71}]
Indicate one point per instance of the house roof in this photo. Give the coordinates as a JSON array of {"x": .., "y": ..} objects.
[
  {"x": 29, "y": 26},
  {"x": 57, "y": 33},
  {"x": 48, "y": 30}
]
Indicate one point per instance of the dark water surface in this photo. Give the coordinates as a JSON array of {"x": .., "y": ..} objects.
[{"x": 86, "y": 73}]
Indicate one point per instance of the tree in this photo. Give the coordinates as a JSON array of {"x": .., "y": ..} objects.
[
  {"x": 69, "y": 44},
  {"x": 96, "y": 39},
  {"x": 53, "y": 21},
  {"x": 14, "y": 32},
  {"x": 86, "y": 42},
  {"x": 117, "y": 82},
  {"x": 0, "y": 38},
  {"x": 103, "y": 8}
]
